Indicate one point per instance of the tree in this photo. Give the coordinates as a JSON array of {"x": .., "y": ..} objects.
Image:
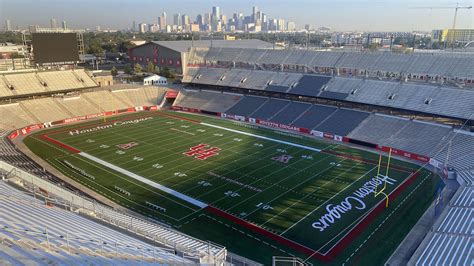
[
  {"x": 127, "y": 69},
  {"x": 150, "y": 68},
  {"x": 114, "y": 71},
  {"x": 165, "y": 72},
  {"x": 95, "y": 48},
  {"x": 17, "y": 55},
  {"x": 137, "y": 68}
]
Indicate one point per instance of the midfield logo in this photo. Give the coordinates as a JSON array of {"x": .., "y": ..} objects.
[
  {"x": 127, "y": 146},
  {"x": 202, "y": 151},
  {"x": 282, "y": 158}
]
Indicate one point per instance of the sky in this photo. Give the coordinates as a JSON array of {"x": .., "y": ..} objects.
[{"x": 339, "y": 15}]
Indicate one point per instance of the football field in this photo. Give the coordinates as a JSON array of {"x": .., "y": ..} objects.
[{"x": 176, "y": 168}]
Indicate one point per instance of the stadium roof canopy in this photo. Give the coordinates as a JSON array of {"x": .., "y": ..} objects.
[{"x": 184, "y": 46}]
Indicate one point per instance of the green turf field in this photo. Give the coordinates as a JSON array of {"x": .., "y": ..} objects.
[{"x": 307, "y": 191}]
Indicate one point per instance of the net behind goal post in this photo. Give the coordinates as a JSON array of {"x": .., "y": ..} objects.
[{"x": 289, "y": 261}]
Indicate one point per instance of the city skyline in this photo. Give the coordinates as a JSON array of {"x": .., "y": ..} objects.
[{"x": 343, "y": 17}]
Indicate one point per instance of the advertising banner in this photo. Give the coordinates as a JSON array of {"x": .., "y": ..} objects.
[
  {"x": 171, "y": 94},
  {"x": 278, "y": 125},
  {"x": 13, "y": 135},
  {"x": 317, "y": 133}
]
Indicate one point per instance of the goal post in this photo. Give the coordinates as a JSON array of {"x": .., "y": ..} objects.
[{"x": 382, "y": 191}]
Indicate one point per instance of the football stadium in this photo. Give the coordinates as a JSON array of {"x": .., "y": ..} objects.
[{"x": 257, "y": 156}]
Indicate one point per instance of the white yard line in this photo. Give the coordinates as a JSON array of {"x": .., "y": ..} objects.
[
  {"x": 317, "y": 189},
  {"x": 263, "y": 137},
  {"x": 289, "y": 228},
  {"x": 145, "y": 180}
]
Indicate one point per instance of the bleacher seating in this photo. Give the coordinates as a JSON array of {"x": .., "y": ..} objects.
[
  {"x": 10, "y": 154},
  {"x": 257, "y": 80},
  {"x": 53, "y": 234},
  {"x": 27, "y": 83},
  {"x": 61, "y": 80},
  {"x": 457, "y": 150},
  {"x": 284, "y": 79},
  {"x": 350, "y": 60},
  {"x": 276, "y": 57},
  {"x": 13, "y": 116},
  {"x": 451, "y": 65},
  {"x": 234, "y": 78},
  {"x": 443, "y": 101},
  {"x": 325, "y": 59},
  {"x": 466, "y": 177},
  {"x": 314, "y": 116},
  {"x": 209, "y": 76},
  {"x": 140, "y": 96},
  {"x": 415, "y": 97},
  {"x": 454, "y": 221},
  {"x": 309, "y": 85},
  {"x": 84, "y": 78},
  {"x": 408, "y": 138},
  {"x": 463, "y": 198},
  {"x": 78, "y": 106},
  {"x": 291, "y": 112},
  {"x": 269, "y": 109},
  {"x": 105, "y": 101},
  {"x": 206, "y": 100},
  {"x": 445, "y": 249},
  {"x": 221, "y": 103},
  {"x": 247, "y": 105},
  {"x": 44, "y": 109},
  {"x": 420, "y": 64},
  {"x": 378, "y": 128},
  {"x": 342, "y": 122},
  {"x": 450, "y": 240}
]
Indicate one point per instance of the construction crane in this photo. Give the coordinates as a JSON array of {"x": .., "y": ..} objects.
[{"x": 456, "y": 8}]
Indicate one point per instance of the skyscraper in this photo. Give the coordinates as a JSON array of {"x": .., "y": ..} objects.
[
  {"x": 177, "y": 19},
  {"x": 216, "y": 11},
  {"x": 162, "y": 21},
  {"x": 134, "y": 26},
  {"x": 255, "y": 14},
  {"x": 207, "y": 18},
  {"x": 281, "y": 26},
  {"x": 291, "y": 26},
  {"x": 8, "y": 25},
  {"x": 142, "y": 27},
  {"x": 200, "y": 20},
  {"x": 64, "y": 25},
  {"x": 185, "y": 21},
  {"x": 52, "y": 23},
  {"x": 215, "y": 17}
]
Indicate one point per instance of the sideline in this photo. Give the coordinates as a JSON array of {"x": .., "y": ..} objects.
[
  {"x": 145, "y": 180},
  {"x": 263, "y": 137}
]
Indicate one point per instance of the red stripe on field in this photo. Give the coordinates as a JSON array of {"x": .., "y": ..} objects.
[
  {"x": 60, "y": 144},
  {"x": 289, "y": 243}
]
